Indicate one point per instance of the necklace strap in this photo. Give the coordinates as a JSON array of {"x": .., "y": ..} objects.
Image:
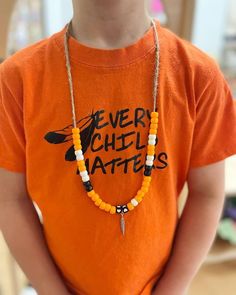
[
  {"x": 69, "y": 73},
  {"x": 157, "y": 67}
]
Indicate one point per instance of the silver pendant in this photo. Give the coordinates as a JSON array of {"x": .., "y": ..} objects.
[{"x": 122, "y": 223}]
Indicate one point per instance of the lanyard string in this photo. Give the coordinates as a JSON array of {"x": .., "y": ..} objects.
[{"x": 70, "y": 79}]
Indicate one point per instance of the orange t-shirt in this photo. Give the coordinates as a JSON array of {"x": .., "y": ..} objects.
[{"x": 113, "y": 98}]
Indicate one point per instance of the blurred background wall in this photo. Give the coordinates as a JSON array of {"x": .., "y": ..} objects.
[{"x": 6, "y": 8}]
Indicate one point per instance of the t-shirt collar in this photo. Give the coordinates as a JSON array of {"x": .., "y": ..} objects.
[{"x": 82, "y": 53}]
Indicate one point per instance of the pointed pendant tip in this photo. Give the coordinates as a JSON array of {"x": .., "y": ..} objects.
[{"x": 122, "y": 224}]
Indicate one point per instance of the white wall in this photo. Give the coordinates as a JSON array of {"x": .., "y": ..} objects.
[
  {"x": 209, "y": 25},
  {"x": 56, "y": 14},
  {"x": 232, "y": 18}
]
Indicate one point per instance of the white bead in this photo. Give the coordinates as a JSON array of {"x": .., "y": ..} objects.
[
  {"x": 85, "y": 178},
  {"x": 79, "y": 157},
  {"x": 151, "y": 142},
  {"x": 84, "y": 173},
  {"x": 150, "y": 158},
  {"x": 79, "y": 152},
  {"x": 152, "y": 136},
  {"x": 134, "y": 202},
  {"x": 149, "y": 163}
]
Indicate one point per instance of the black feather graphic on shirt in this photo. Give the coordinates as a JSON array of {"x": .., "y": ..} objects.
[
  {"x": 55, "y": 137},
  {"x": 65, "y": 135}
]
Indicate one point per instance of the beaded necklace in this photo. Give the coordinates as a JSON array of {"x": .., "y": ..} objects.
[{"x": 153, "y": 126}]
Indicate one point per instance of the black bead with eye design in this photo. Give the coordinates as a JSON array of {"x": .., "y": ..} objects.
[{"x": 121, "y": 209}]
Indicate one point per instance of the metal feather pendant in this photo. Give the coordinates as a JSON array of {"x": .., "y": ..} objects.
[{"x": 122, "y": 223}]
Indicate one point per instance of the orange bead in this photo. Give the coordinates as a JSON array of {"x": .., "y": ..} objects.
[
  {"x": 138, "y": 198},
  {"x": 130, "y": 206},
  {"x": 91, "y": 193},
  {"x": 153, "y": 126},
  {"x": 140, "y": 193},
  {"x": 76, "y": 136},
  {"x": 102, "y": 205},
  {"x": 77, "y": 147},
  {"x": 151, "y": 148},
  {"x": 154, "y": 114},
  {"x": 83, "y": 168},
  {"x": 147, "y": 178},
  {"x": 154, "y": 120},
  {"x": 95, "y": 197},
  {"x": 145, "y": 184},
  {"x": 144, "y": 189},
  {"x": 107, "y": 207},
  {"x": 81, "y": 162},
  {"x": 147, "y": 181},
  {"x": 98, "y": 202},
  {"x": 113, "y": 210},
  {"x": 77, "y": 142},
  {"x": 152, "y": 131},
  {"x": 81, "y": 165},
  {"x": 75, "y": 130}
]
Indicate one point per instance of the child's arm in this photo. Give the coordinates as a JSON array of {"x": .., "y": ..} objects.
[
  {"x": 22, "y": 230},
  {"x": 196, "y": 229}
]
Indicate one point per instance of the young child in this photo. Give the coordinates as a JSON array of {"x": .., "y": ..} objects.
[{"x": 101, "y": 125}]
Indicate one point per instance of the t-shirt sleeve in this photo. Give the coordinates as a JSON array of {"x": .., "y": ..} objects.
[
  {"x": 214, "y": 136},
  {"x": 12, "y": 136}
]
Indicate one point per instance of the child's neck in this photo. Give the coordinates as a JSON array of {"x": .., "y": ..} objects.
[{"x": 109, "y": 24}]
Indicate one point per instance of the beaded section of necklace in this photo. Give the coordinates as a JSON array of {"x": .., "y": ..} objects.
[{"x": 112, "y": 209}]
